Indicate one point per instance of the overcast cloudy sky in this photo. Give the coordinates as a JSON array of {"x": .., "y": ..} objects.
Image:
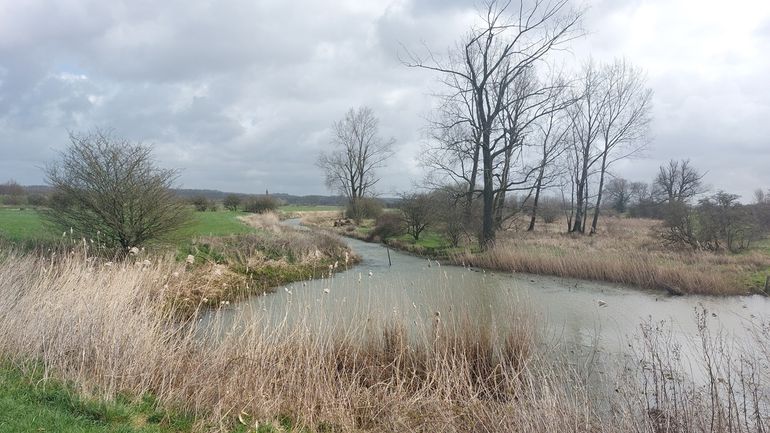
[{"x": 241, "y": 94}]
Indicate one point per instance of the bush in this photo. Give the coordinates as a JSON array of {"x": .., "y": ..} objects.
[
  {"x": 365, "y": 207},
  {"x": 109, "y": 186},
  {"x": 549, "y": 209},
  {"x": 201, "y": 203},
  {"x": 418, "y": 213},
  {"x": 13, "y": 200},
  {"x": 37, "y": 200},
  {"x": 260, "y": 204},
  {"x": 388, "y": 225},
  {"x": 231, "y": 202}
]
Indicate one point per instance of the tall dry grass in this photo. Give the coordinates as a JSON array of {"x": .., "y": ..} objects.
[
  {"x": 626, "y": 252},
  {"x": 109, "y": 329}
]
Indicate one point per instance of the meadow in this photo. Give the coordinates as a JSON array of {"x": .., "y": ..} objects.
[{"x": 19, "y": 225}]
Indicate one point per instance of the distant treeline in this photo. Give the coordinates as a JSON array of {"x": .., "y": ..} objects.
[{"x": 209, "y": 194}]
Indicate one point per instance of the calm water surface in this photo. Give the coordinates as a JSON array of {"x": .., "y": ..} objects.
[{"x": 413, "y": 290}]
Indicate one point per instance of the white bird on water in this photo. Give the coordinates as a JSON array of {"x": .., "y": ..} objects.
[{"x": 371, "y": 273}]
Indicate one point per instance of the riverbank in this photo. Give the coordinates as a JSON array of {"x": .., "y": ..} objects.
[
  {"x": 226, "y": 269},
  {"x": 107, "y": 331},
  {"x": 627, "y": 251}
]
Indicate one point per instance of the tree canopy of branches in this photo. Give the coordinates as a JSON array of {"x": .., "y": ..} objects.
[
  {"x": 358, "y": 151},
  {"x": 493, "y": 96},
  {"x": 619, "y": 191},
  {"x": 678, "y": 182},
  {"x": 109, "y": 188}
]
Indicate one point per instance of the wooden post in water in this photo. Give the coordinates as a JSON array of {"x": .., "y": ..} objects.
[{"x": 391, "y": 264}]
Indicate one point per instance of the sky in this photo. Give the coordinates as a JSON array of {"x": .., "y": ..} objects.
[{"x": 241, "y": 94}]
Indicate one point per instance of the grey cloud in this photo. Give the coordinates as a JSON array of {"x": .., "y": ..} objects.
[{"x": 241, "y": 94}]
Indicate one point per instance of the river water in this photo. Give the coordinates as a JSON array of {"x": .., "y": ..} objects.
[{"x": 603, "y": 317}]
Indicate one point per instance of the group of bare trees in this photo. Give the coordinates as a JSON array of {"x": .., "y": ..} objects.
[{"x": 508, "y": 124}]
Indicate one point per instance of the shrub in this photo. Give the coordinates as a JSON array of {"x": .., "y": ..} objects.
[
  {"x": 109, "y": 186},
  {"x": 364, "y": 207},
  {"x": 418, "y": 212},
  {"x": 231, "y": 202},
  {"x": 201, "y": 203},
  {"x": 388, "y": 225},
  {"x": 37, "y": 200},
  {"x": 260, "y": 204}
]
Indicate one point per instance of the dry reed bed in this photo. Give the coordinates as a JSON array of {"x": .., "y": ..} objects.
[
  {"x": 230, "y": 268},
  {"x": 108, "y": 329},
  {"x": 626, "y": 253}
]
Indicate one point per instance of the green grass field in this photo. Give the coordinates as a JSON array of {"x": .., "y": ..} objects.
[
  {"x": 427, "y": 239},
  {"x": 22, "y": 225},
  {"x": 28, "y": 404},
  {"x": 220, "y": 223},
  {"x": 28, "y": 225}
]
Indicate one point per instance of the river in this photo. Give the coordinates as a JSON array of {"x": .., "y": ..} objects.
[{"x": 388, "y": 285}]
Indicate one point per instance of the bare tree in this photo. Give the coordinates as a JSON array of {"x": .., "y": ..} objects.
[
  {"x": 110, "y": 188},
  {"x": 610, "y": 122},
  {"x": 625, "y": 119},
  {"x": 358, "y": 152},
  {"x": 417, "y": 212},
  {"x": 13, "y": 192},
  {"x": 678, "y": 182},
  {"x": 619, "y": 191},
  {"x": 586, "y": 118},
  {"x": 482, "y": 75},
  {"x": 550, "y": 133}
]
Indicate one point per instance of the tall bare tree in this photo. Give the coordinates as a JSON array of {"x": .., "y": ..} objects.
[
  {"x": 358, "y": 151},
  {"x": 109, "y": 188},
  {"x": 625, "y": 119},
  {"x": 609, "y": 122},
  {"x": 678, "y": 182},
  {"x": 585, "y": 117},
  {"x": 482, "y": 74}
]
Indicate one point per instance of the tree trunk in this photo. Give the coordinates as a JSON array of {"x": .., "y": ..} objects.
[
  {"x": 599, "y": 195},
  {"x": 488, "y": 223},
  {"x": 535, "y": 201},
  {"x": 472, "y": 184},
  {"x": 579, "y": 195},
  {"x": 585, "y": 209}
]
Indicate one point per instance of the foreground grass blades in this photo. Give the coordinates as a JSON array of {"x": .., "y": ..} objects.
[{"x": 29, "y": 402}]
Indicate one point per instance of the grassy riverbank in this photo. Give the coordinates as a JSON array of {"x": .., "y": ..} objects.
[
  {"x": 626, "y": 251},
  {"x": 267, "y": 255},
  {"x": 233, "y": 254},
  {"x": 109, "y": 333}
]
